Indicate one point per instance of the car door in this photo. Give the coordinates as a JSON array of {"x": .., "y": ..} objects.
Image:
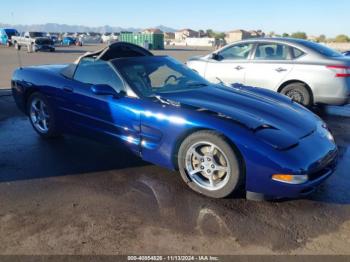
[
  {"x": 101, "y": 116},
  {"x": 229, "y": 65},
  {"x": 270, "y": 65}
]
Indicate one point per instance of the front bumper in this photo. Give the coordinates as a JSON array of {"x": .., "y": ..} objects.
[
  {"x": 44, "y": 48},
  {"x": 316, "y": 156},
  {"x": 316, "y": 178}
]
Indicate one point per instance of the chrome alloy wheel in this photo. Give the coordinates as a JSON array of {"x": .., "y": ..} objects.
[
  {"x": 39, "y": 115},
  {"x": 207, "y": 165}
]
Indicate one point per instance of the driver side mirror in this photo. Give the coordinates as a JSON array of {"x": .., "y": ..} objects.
[
  {"x": 216, "y": 57},
  {"x": 105, "y": 90}
]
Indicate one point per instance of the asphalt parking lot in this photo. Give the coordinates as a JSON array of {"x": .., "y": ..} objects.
[{"x": 76, "y": 196}]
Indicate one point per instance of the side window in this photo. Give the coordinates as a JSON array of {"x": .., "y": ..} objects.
[
  {"x": 236, "y": 52},
  {"x": 296, "y": 52},
  {"x": 271, "y": 51},
  {"x": 97, "y": 73}
]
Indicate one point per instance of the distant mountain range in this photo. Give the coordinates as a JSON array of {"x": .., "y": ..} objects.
[{"x": 53, "y": 27}]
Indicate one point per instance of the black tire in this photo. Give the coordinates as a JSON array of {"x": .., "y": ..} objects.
[
  {"x": 53, "y": 131},
  {"x": 299, "y": 93},
  {"x": 17, "y": 46},
  {"x": 30, "y": 48},
  {"x": 236, "y": 177}
]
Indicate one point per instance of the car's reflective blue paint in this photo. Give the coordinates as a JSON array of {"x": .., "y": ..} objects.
[
  {"x": 68, "y": 41},
  {"x": 272, "y": 134}
]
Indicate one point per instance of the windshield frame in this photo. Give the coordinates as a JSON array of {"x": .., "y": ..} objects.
[{"x": 118, "y": 64}]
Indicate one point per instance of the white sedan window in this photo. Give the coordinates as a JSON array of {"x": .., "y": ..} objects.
[
  {"x": 272, "y": 51},
  {"x": 236, "y": 52}
]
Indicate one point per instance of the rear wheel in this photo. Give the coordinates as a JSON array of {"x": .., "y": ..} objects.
[
  {"x": 209, "y": 165},
  {"x": 42, "y": 116},
  {"x": 299, "y": 93}
]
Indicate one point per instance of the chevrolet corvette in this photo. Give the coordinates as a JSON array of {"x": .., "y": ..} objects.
[{"x": 220, "y": 138}]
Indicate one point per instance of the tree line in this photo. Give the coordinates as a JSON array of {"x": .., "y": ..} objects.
[
  {"x": 342, "y": 38},
  {"x": 321, "y": 38}
]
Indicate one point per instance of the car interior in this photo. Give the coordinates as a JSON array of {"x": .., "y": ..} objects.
[{"x": 271, "y": 52}]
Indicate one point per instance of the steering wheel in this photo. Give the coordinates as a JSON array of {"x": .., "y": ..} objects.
[{"x": 170, "y": 77}]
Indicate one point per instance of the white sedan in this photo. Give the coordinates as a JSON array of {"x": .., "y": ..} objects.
[{"x": 308, "y": 72}]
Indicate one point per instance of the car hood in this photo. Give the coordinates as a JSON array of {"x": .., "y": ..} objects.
[{"x": 280, "y": 121}]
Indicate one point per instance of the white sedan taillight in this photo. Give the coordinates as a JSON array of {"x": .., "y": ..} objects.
[{"x": 340, "y": 70}]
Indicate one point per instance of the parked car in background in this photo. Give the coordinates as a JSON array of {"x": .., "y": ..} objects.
[
  {"x": 346, "y": 53},
  {"x": 106, "y": 37},
  {"x": 307, "y": 72},
  {"x": 90, "y": 38},
  {"x": 109, "y": 37},
  {"x": 68, "y": 41},
  {"x": 55, "y": 38},
  {"x": 33, "y": 41},
  {"x": 6, "y": 35},
  {"x": 219, "y": 138}
]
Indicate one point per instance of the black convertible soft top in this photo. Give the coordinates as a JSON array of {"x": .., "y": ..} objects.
[
  {"x": 112, "y": 51},
  {"x": 119, "y": 50}
]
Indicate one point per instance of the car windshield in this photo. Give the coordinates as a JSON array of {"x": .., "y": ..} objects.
[
  {"x": 152, "y": 75},
  {"x": 321, "y": 49},
  {"x": 37, "y": 34}
]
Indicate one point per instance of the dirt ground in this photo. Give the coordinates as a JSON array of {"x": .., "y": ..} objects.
[{"x": 75, "y": 196}]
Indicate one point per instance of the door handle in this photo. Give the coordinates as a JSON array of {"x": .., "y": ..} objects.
[
  {"x": 280, "y": 69},
  {"x": 68, "y": 89},
  {"x": 239, "y": 68}
]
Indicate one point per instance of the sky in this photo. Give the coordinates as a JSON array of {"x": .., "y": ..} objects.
[{"x": 330, "y": 17}]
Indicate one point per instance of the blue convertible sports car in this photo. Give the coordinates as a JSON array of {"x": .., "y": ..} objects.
[{"x": 219, "y": 138}]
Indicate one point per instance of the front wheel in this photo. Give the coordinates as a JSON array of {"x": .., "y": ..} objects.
[
  {"x": 298, "y": 93},
  {"x": 42, "y": 116},
  {"x": 31, "y": 48},
  {"x": 17, "y": 46},
  {"x": 210, "y": 165}
]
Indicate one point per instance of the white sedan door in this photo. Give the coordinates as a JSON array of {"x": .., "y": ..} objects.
[
  {"x": 229, "y": 65},
  {"x": 270, "y": 66}
]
